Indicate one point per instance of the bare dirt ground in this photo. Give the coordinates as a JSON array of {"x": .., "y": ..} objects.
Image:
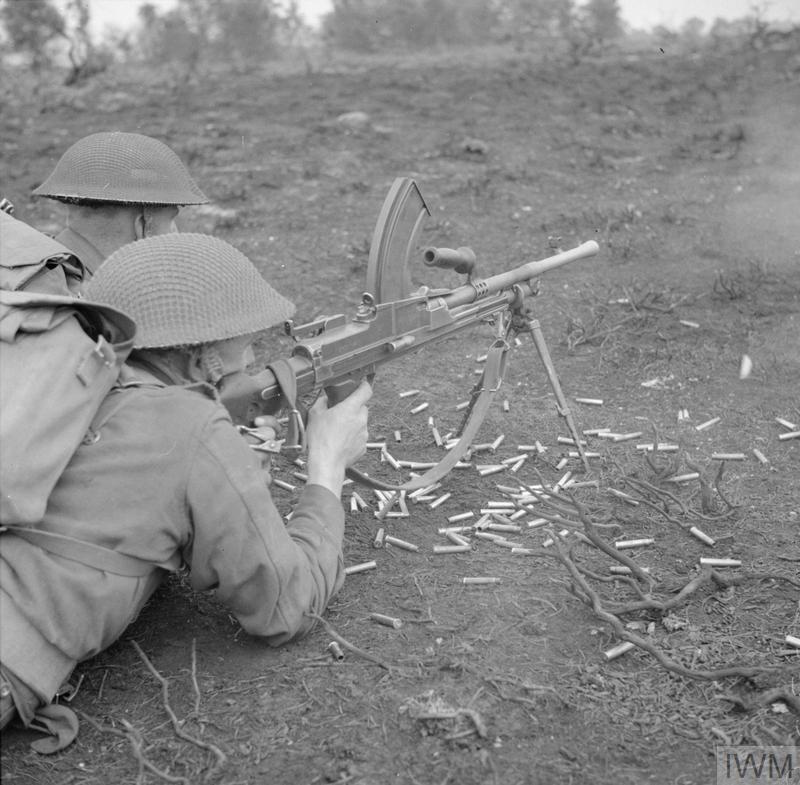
[{"x": 685, "y": 170}]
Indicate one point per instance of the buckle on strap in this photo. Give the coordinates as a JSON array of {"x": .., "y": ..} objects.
[{"x": 100, "y": 356}]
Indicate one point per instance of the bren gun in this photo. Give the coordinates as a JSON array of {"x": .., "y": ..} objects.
[{"x": 335, "y": 353}]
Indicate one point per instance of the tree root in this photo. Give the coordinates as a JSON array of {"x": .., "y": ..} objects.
[
  {"x": 344, "y": 642},
  {"x": 135, "y": 739},
  {"x": 584, "y": 591},
  {"x": 765, "y": 698},
  {"x": 567, "y": 510},
  {"x": 176, "y": 726}
]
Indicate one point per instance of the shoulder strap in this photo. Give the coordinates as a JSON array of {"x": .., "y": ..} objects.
[{"x": 97, "y": 556}]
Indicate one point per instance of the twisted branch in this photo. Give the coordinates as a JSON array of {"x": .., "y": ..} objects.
[
  {"x": 346, "y": 643},
  {"x": 135, "y": 739},
  {"x": 590, "y": 597},
  {"x": 176, "y": 726}
]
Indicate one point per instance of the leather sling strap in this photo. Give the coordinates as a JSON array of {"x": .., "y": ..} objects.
[
  {"x": 482, "y": 396},
  {"x": 295, "y": 440}
]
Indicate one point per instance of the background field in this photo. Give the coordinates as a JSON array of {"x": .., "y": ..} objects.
[{"x": 685, "y": 170}]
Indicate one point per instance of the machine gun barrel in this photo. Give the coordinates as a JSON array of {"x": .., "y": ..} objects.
[{"x": 471, "y": 292}]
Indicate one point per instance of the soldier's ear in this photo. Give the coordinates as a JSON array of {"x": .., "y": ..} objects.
[{"x": 140, "y": 226}]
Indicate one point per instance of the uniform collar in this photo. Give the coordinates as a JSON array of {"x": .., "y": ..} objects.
[{"x": 87, "y": 252}]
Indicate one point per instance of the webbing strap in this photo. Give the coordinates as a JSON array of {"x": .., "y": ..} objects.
[
  {"x": 295, "y": 440},
  {"x": 88, "y": 553},
  {"x": 481, "y": 399}
]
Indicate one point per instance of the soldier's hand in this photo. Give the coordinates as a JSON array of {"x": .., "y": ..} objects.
[
  {"x": 337, "y": 437},
  {"x": 268, "y": 428}
]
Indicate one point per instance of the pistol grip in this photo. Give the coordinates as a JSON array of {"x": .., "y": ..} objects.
[{"x": 340, "y": 389}]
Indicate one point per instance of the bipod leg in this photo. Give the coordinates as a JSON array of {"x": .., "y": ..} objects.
[{"x": 561, "y": 402}]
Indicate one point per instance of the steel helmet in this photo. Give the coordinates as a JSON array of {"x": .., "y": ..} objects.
[
  {"x": 185, "y": 289},
  {"x": 121, "y": 168}
]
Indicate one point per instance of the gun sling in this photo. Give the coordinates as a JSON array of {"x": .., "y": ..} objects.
[
  {"x": 295, "y": 429},
  {"x": 482, "y": 396},
  {"x": 481, "y": 400}
]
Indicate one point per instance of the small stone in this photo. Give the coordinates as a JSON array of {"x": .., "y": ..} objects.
[{"x": 354, "y": 121}]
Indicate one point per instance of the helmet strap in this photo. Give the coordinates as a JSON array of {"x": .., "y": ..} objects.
[
  {"x": 211, "y": 364},
  {"x": 140, "y": 223}
]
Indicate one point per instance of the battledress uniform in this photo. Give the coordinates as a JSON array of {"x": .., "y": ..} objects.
[
  {"x": 168, "y": 481},
  {"x": 82, "y": 248}
]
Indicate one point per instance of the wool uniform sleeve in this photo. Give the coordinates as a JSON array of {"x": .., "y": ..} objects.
[{"x": 269, "y": 574}]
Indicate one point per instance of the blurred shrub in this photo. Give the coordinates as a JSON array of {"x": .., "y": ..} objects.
[
  {"x": 380, "y": 25},
  {"x": 36, "y": 36},
  {"x": 32, "y": 26},
  {"x": 238, "y": 31},
  {"x": 42, "y": 36}
]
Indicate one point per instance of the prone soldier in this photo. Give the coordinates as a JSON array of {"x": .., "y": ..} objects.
[{"x": 167, "y": 481}]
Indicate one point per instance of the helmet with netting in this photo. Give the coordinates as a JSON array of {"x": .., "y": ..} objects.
[
  {"x": 121, "y": 168},
  {"x": 185, "y": 289}
]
